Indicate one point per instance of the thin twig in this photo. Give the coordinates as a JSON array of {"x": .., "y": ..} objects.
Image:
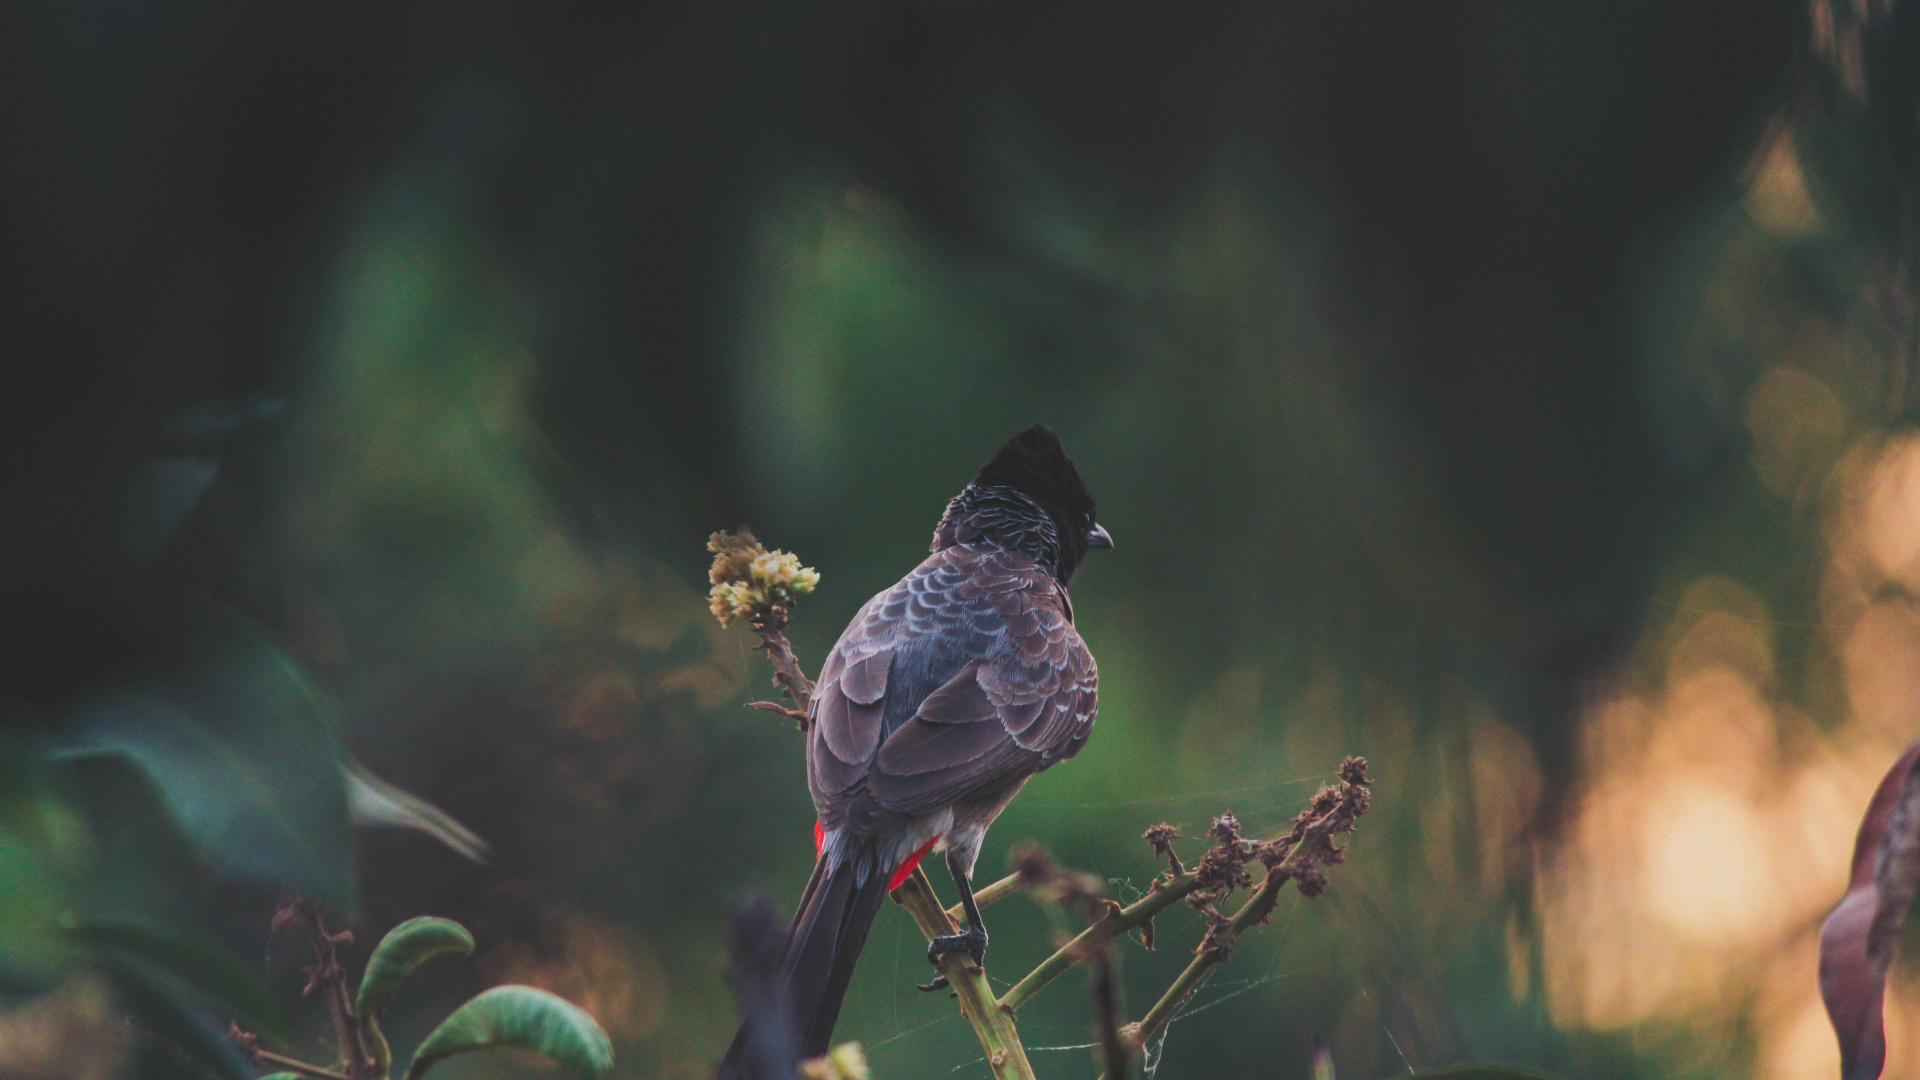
[
  {"x": 293, "y": 1065},
  {"x": 1165, "y": 893},
  {"x": 249, "y": 1044},
  {"x": 330, "y": 979},
  {"x": 775, "y": 707},
  {"x": 786, "y": 671}
]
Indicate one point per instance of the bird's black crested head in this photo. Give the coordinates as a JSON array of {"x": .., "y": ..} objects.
[{"x": 1027, "y": 498}]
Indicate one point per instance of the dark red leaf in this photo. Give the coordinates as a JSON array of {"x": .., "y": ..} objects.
[{"x": 1856, "y": 944}]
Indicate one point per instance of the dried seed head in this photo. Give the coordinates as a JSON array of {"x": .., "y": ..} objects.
[
  {"x": 1226, "y": 828},
  {"x": 1310, "y": 881},
  {"x": 1034, "y": 864}
]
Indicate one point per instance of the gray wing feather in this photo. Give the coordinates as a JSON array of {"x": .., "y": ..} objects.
[{"x": 965, "y": 675}]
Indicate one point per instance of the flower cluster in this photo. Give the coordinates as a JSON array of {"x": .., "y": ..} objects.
[{"x": 752, "y": 583}]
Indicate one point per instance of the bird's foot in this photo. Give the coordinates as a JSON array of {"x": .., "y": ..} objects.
[{"x": 972, "y": 941}]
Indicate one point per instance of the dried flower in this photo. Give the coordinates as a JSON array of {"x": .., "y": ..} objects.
[
  {"x": 1225, "y": 828},
  {"x": 1162, "y": 837},
  {"x": 752, "y": 583}
]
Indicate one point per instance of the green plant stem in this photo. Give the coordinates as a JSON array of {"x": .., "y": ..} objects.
[
  {"x": 294, "y": 1065},
  {"x": 991, "y": 1022},
  {"x": 1166, "y": 892},
  {"x": 1116, "y": 1056}
]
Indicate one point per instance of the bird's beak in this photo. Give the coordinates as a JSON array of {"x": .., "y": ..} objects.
[{"x": 1098, "y": 538}]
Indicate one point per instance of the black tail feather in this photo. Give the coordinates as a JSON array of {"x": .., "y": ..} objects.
[{"x": 829, "y": 930}]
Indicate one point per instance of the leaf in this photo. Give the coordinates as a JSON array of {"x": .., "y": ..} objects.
[
  {"x": 405, "y": 948},
  {"x": 38, "y": 841},
  {"x": 1856, "y": 944},
  {"x": 373, "y": 801},
  {"x": 524, "y": 1017},
  {"x": 201, "y": 965},
  {"x": 242, "y": 752},
  {"x": 161, "y": 1004}
]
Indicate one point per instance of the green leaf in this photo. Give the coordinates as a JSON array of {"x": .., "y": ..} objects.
[
  {"x": 373, "y": 801},
  {"x": 524, "y": 1017},
  {"x": 40, "y": 839},
  {"x": 405, "y": 948},
  {"x": 243, "y": 753},
  {"x": 1485, "y": 1073},
  {"x": 201, "y": 965},
  {"x": 166, "y": 1009}
]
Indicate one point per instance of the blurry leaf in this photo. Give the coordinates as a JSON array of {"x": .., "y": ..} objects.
[
  {"x": 36, "y": 835},
  {"x": 165, "y": 1008},
  {"x": 520, "y": 1016},
  {"x": 243, "y": 753},
  {"x": 405, "y": 948},
  {"x": 201, "y": 965},
  {"x": 283, "y": 1076},
  {"x": 373, "y": 801},
  {"x": 210, "y": 420},
  {"x": 161, "y": 495},
  {"x": 1856, "y": 944},
  {"x": 1485, "y": 1073}
]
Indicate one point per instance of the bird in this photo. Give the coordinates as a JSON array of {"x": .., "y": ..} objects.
[{"x": 945, "y": 694}]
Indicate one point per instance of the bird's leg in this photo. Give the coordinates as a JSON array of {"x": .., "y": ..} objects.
[{"x": 972, "y": 940}]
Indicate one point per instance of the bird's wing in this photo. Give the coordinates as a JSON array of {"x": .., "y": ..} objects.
[{"x": 966, "y": 675}]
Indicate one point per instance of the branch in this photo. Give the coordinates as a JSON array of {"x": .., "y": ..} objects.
[
  {"x": 249, "y": 1045},
  {"x": 1219, "y": 945},
  {"x": 330, "y": 979},
  {"x": 1051, "y": 885},
  {"x": 1296, "y": 857},
  {"x": 991, "y": 1021},
  {"x": 786, "y": 671},
  {"x": 279, "y": 1061},
  {"x": 1165, "y": 893}
]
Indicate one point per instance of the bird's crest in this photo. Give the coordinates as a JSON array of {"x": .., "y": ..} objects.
[{"x": 1035, "y": 464}]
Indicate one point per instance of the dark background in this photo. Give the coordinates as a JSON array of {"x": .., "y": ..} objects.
[{"x": 1386, "y": 335}]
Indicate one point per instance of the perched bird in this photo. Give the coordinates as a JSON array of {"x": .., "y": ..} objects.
[{"x": 942, "y": 697}]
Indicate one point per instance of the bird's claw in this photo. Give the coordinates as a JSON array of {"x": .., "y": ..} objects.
[
  {"x": 939, "y": 983},
  {"x": 971, "y": 941}
]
